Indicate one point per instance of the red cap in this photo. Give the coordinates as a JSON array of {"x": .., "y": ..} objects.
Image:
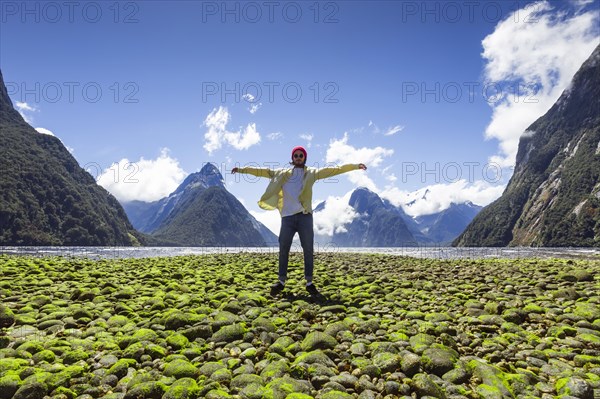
[{"x": 299, "y": 148}]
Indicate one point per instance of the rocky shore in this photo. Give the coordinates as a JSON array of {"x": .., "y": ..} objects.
[{"x": 390, "y": 327}]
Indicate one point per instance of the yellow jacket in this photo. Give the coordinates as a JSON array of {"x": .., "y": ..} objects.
[{"x": 273, "y": 196}]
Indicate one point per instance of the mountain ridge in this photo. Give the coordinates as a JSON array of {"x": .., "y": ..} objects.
[
  {"x": 46, "y": 198},
  {"x": 553, "y": 198}
]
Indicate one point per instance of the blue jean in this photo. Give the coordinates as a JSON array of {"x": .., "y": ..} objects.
[{"x": 301, "y": 223}]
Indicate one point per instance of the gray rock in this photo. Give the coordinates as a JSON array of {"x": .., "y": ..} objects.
[
  {"x": 410, "y": 364},
  {"x": 423, "y": 385},
  {"x": 577, "y": 387}
]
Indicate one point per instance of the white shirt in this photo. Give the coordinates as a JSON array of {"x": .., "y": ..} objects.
[{"x": 291, "y": 192}]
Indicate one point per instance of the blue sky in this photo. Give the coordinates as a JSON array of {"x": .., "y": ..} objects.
[{"x": 427, "y": 94}]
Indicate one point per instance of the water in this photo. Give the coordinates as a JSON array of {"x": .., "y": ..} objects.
[{"x": 418, "y": 252}]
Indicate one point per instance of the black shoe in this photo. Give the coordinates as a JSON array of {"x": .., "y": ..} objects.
[
  {"x": 277, "y": 288},
  {"x": 312, "y": 290}
]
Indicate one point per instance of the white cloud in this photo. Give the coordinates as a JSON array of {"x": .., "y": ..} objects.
[
  {"x": 23, "y": 109},
  {"x": 532, "y": 55},
  {"x": 270, "y": 219},
  {"x": 144, "y": 180},
  {"x": 274, "y": 135},
  {"x": 44, "y": 131},
  {"x": 437, "y": 197},
  {"x": 336, "y": 214},
  {"x": 217, "y": 133},
  {"x": 253, "y": 106},
  {"x": 393, "y": 130},
  {"x": 389, "y": 176},
  {"x": 340, "y": 152},
  {"x": 308, "y": 138},
  {"x": 22, "y": 106}
]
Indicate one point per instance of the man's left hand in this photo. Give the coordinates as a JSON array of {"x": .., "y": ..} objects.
[{"x": 362, "y": 166}]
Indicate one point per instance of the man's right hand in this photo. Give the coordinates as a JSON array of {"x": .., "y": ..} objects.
[{"x": 234, "y": 171}]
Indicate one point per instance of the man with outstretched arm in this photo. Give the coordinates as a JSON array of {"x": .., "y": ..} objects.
[{"x": 290, "y": 191}]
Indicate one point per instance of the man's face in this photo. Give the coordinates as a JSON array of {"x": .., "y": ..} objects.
[{"x": 298, "y": 158}]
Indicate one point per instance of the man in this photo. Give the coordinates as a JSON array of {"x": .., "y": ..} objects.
[{"x": 290, "y": 191}]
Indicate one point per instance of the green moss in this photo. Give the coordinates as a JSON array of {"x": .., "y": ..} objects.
[
  {"x": 297, "y": 395},
  {"x": 32, "y": 347},
  {"x": 229, "y": 333},
  {"x": 489, "y": 392},
  {"x": 69, "y": 394},
  {"x": 120, "y": 368},
  {"x": 12, "y": 364},
  {"x": 590, "y": 338},
  {"x": 75, "y": 356},
  {"x": 243, "y": 380},
  {"x": 318, "y": 340},
  {"x": 147, "y": 390},
  {"x": 9, "y": 384},
  {"x": 177, "y": 341},
  {"x": 180, "y": 368},
  {"x": 7, "y": 317},
  {"x": 155, "y": 351},
  {"x": 275, "y": 370},
  {"x": 314, "y": 357},
  {"x": 183, "y": 388},
  {"x": 117, "y": 321},
  {"x": 336, "y": 395}
]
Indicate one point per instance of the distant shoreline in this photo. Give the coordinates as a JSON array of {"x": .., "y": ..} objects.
[{"x": 425, "y": 252}]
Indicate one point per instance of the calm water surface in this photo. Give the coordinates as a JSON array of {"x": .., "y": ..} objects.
[{"x": 419, "y": 252}]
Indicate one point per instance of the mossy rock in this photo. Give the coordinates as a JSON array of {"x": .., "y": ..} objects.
[
  {"x": 44, "y": 356},
  {"x": 423, "y": 385},
  {"x": 275, "y": 370},
  {"x": 439, "y": 361},
  {"x": 217, "y": 394},
  {"x": 177, "y": 341},
  {"x": 120, "y": 368},
  {"x": 180, "y": 368},
  {"x": 281, "y": 344},
  {"x": 32, "y": 347},
  {"x": 64, "y": 392},
  {"x": 177, "y": 319},
  {"x": 589, "y": 311},
  {"x": 34, "y": 390},
  {"x": 7, "y": 317},
  {"x": 316, "y": 356},
  {"x": 183, "y": 388},
  {"x": 7, "y": 364},
  {"x": 209, "y": 368},
  {"x": 9, "y": 384},
  {"x": 335, "y": 395},
  {"x": 297, "y": 395},
  {"x": 420, "y": 342},
  {"x": 265, "y": 324},
  {"x": 491, "y": 376},
  {"x": 318, "y": 340},
  {"x": 334, "y": 328},
  {"x": 229, "y": 333},
  {"x": 410, "y": 364},
  {"x": 75, "y": 356},
  {"x": 155, "y": 351},
  {"x": 224, "y": 318},
  {"x": 280, "y": 388},
  {"x": 387, "y": 362},
  {"x": 117, "y": 321},
  {"x": 146, "y": 390},
  {"x": 57, "y": 380},
  {"x": 243, "y": 380}
]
